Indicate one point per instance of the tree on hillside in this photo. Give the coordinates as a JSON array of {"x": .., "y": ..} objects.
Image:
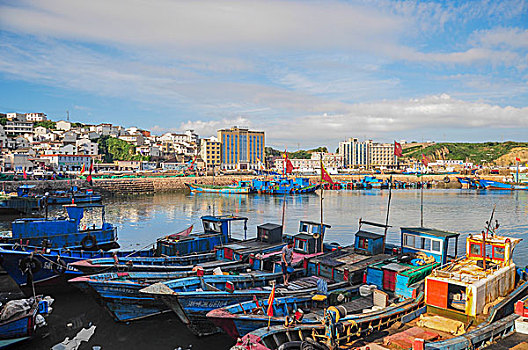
[
  {"x": 48, "y": 124},
  {"x": 114, "y": 149}
]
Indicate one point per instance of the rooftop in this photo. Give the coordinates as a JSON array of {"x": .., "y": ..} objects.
[{"x": 430, "y": 232}]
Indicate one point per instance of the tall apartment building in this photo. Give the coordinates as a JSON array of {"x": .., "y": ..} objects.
[
  {"x": 36, "y": 117},
  {"x": 211, "y": 151},
  {"x": 367, "y": 154},
  {"x": 241, "y": 148}
]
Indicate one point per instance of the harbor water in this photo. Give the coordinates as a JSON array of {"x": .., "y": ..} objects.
[{"x": 143, "y": 219}]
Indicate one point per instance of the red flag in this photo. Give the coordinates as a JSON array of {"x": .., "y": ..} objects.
[
  {"x": 398, "y": 150},
  {"x": 271, "y": 299},
  {"x": 25, "y": 175},
  {"x": 425, "y": 160},
  {"x": 288, "y": 164},
  {"x": 324, "y": 174},
  {"x": 83, "y": 169},
  {"x": 181, "y": 234},
  {"x": 518, "y": 159},
  {"x": 89, "y": 177}
]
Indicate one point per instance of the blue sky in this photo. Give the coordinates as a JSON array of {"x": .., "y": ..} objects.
[{"x": 307, "y": 72}]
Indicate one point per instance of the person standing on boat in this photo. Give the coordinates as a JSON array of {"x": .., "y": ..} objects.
[{"x": 286, "y": 261}]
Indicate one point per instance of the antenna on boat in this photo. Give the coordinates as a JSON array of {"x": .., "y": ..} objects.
[
  {"x": 421, "y": 202},
  {"x": 484, "y": 233}
]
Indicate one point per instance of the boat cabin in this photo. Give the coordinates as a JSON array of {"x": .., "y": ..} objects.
[
  {"x": 269, "y": 238},
  {"x": 216, "y": 231},
  {"x": 423, "y": 249},
  {"x": 349, "y": 264},
  {"x": 441, "y": 245},
  {"x": 464, "y": 289},
  {"x": 310, "y": 238},
  {"x": 24, "y": 190},
  {"x": 66, "y": 231}
]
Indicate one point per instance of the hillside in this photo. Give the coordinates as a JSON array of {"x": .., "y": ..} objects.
[
  {"x": 500, "y": 153},
  {"x": 300, "y": 154}
]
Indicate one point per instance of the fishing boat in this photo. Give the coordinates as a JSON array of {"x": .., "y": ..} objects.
[
  {"x": 242, "y": 187},
  {"x": 470, "y": 300},
  {"x": 23, "y": 202},
  {"x": 148, "y": 264},
  {"x": 336, "y": 330},
  {"x": 390, "y": 279},
  {"x": 284, "y": 185},
  {"x": 73, "y": 195},
  {"x": 19, "y": 319},
  {"x": 192, "y": 298},
  {"x": 49, "y": 265},
  {"x": 67, "y": 232},
  {"x": 119, "y": 291},
  {"x": 496, "y": 185},
  {"x": 216, "y": 232}
]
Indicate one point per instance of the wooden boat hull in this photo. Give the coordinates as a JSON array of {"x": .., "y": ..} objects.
[
  {"x": 119, "y": 292},
  {"x": 19, "y": 326},
  {"x": 192, "y": 307},
  {"x": 147, "y": 264},
  {"x": 353, "y": 327},
  {"x": 75, "y": 199},
  {"x": 48, "y": 270},
  {"x": 496, "y": 185},
  {"x": 223, "y": 189}
]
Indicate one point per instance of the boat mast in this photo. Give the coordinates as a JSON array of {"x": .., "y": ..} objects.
[
  {"x": 322, "y": 191},
  {"x": 484, "y": 233},
  {"x": 387, "y": 217}
]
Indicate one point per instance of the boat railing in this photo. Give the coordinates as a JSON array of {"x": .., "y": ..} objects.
[{"x": 463, "y": 276}]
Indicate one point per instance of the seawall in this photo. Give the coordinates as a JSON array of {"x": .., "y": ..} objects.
[{"x": 129, "y": 186}]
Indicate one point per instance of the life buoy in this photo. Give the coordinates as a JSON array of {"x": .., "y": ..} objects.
[
  {"x": 29, "y": 264},
  {"x": 89, "y": 243},
  {"x": 447, "y": 180},
  {"x": 60, "y": 266}
]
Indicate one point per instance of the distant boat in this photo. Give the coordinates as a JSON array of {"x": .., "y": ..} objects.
[
  {"x": 73, "y": 195},
  {"x": 284, "y": 185},
  {"x": 21, "y": 203},
  {"x": 242, "y": 187},
  {"x": 496, "y": 185}
]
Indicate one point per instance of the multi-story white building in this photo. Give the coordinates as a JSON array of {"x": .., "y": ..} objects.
[
  {"x": 63, "y": 125},
  {"x": 331, "y": 161},
  {"x": 36, "y": 117},
  {"x": 85, "y": 146},
  {"x": 136, "y": 139},
  {"x": 68, "y": 162},
  {"x": 14, "y": 128},
  {"x": 187, "y": 137},
  {"x": 367, "y": 154},
  {"x": 16, "y": 116}
]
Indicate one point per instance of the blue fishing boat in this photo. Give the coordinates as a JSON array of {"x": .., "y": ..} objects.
[
  {"x": 73, "y": 195},
  {"x": 119, "y": 291},
  {"x": 496, "y": 185},
  {"x": 193, "y": 297},
  {"x": 284, "y": 185},
  {"x": 237, "y": 320},
  {"x": 242, "y": 187},
  {"x": 216, "y": 232},
  {"x": 21, "y": 203},
  {"x": 18, "y": 319},
  {"x": 368, "y": 182},
  {"x": 49, "y": 265},
  {"x": 68, "y": 231},
  {"x": 147, "y": 264}
]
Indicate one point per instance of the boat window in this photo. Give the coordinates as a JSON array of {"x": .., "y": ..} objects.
[
  {"x": 363, "y": 243},
  {"x": 436, "y": 246},
  {"x": 498, "y": 253},
  {"x": 300, "y": 244},
  {"x": 475, "y": 249},
  {"x": 489, "y": 251},
  {"x": 426, "y": 243},
  {"x": 409, "y": 240},
  {"x": 315, "y": 229},
  {"x": 304, "y": 228}
]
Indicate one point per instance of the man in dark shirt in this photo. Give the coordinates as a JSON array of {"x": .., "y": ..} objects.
[{"x": 286, "y": 260}]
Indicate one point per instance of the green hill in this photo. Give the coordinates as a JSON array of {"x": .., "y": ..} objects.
[{"x": 477, "y": 153}]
